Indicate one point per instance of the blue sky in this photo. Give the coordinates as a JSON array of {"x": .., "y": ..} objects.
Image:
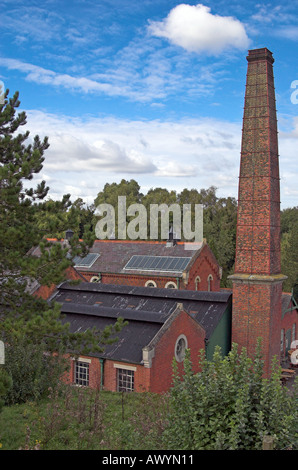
[{"x": 150, "y": 90}]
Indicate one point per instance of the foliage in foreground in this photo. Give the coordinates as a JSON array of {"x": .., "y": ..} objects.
[
  {"x": 74, "y": 418},
  {"x": 227, "y": 406},
  {"x": 231, "y": 406}
]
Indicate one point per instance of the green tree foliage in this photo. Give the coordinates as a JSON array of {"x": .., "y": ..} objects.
[
  {"x": 219, "y": 225},
  {"x": 110, "y": 195},
  {"x": 289, "y": 249},
  {"x": 111, "y": 192},
  {"x": 25, "y": 319},
  {"x": 53, "y": 218},
  {"x": 229, "y": 405},
  {"x": 18, "y": 233}
]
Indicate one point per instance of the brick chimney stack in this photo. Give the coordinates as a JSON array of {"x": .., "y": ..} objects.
[{"x": 257, "y": 281}]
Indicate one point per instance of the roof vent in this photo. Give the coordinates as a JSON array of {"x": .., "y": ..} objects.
[
  {"x": 69, "y": 234},
  {"x": 173, "y": 237}
]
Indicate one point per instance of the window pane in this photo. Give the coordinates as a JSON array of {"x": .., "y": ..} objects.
[
  {"x": 125, "y": 380},
  {"x": 82, "y": 373}
]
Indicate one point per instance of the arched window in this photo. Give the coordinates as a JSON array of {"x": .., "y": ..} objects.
[
  {"x": 150, "y": 283},
  {"x": 171, "y": 285},
  {"x": 209, "y": 280},
  {"x": 95, "y": 279},
  {"x": 197, "y": 282}
]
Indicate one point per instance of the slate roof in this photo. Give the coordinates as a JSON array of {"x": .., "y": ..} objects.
[
  {"x": 146, "y": 309},
  {"x": 115, "y": 254}
]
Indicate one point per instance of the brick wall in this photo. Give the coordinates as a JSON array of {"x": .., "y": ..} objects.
[
  {"x": 157, "y": 378},
  {"x": 141, "y": 375},
  {"x": 161, "y": 373},
  {"x": 257, "y": 314},
  {"x": 204, "y": 265},
  {"x": 258, "y": 223}
]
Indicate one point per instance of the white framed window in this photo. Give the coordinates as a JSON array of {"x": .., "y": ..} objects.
[
  {"x": 150, "y": 283},
  {"x": 180, "y": 348},
  {"x": 171, "y": 285},
  {"x": 209, "y": 280},
  {"x": 81, "y": 373},
  {"x": 125, "y": 380}
]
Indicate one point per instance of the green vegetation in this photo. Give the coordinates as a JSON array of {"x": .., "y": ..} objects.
[
  {"x": 227, "y": 406},
  {"x": 289, "y": 249},
  {"x": 83, "y": 419}
]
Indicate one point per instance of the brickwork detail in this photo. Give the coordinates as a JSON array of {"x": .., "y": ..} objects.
[
  {"x": 258, "y": 227},
  {"x": 257, "y": 282}
]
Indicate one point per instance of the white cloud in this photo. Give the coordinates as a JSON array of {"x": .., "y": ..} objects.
[
  {"x": 86, "y": 153},
  {"x": 150, "y": 82},
  {"x": 288, "y": 32},
  {"x": 174, "y": 169},
  {"x": 196, "y": 29},
  {"x": 44, "y": 76},
  {"x": 79, "y": 146}
]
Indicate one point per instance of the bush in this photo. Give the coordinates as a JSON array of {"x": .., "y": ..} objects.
[
  {"x": 32, "y": 372},
  {"x": 5, "y": 385},
  {"x": 229, "y": 405}
]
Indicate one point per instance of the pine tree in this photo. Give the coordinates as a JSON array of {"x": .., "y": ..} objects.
[{"x": 24, "y": 318}]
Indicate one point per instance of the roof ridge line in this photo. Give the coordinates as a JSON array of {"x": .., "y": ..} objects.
[{"x": 218, "y": 296}]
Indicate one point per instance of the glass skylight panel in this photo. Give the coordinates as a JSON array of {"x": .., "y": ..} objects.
[
  {"x": 87, "y": 261},
  {"x": 157, "y": 263}
]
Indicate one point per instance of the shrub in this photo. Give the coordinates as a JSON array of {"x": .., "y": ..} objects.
[
  {"x": 5, "y": 385},
  {"x": 229, "y": 405},
  {"x": 32, "y": 371}
]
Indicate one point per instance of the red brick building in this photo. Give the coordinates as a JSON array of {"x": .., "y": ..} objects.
[
  {"x": 162, "y": 323},
  {"x": 150, "y": 263}
]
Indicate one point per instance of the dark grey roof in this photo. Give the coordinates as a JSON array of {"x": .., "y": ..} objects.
[
  {"x": 115, "y": 254},
  {"x": 131, "y": 339},
  {"x": 146, "y": 309}
]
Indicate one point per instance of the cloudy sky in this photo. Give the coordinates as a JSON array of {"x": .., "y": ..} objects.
[{"x": 150, "y": 90}]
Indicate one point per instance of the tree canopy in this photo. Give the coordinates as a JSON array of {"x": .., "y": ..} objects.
[{"x": 24, "y": 222}]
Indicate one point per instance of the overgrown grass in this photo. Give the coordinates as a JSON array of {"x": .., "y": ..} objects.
[{"x": 76, "y": 418}]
